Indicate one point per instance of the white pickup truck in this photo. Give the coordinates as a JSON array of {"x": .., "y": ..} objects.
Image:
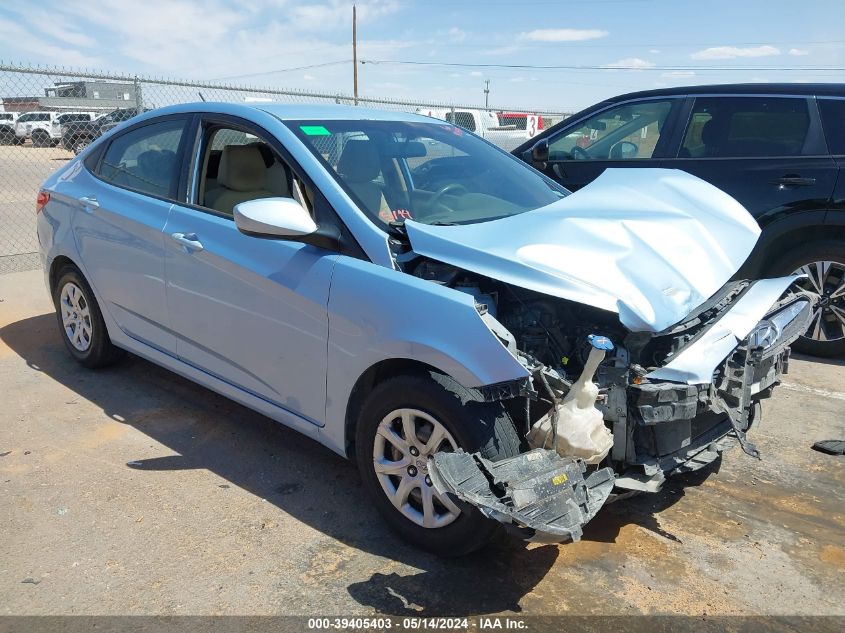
[{"x": 487, "y": 124}]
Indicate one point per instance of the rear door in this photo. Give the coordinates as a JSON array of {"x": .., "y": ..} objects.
[
  {"x": 629, "y": 134},
  {"x": 768, "y": 152},
  {"x": 122, "y": 207}
]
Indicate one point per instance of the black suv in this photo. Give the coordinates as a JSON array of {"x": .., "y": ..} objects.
[
  {"x": 78, "y": 135},
  {"x": 777, "y": 148}
]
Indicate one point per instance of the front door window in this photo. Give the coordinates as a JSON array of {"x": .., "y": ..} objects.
[{"x": 625, "y": 132}]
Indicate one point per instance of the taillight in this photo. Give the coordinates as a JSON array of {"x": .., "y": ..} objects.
[{"x": 41, "y": 201}]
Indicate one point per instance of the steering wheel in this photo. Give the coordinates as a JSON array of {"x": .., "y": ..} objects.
[
  {"x": 579, "y": 152},
  {"x": 450, "y": 188}
]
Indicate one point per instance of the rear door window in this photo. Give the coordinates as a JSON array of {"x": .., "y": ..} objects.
[
  {"x": 833, "y": 120},
  {"x": 746, "y": 127},
  {"x": 145, "y": 159}
]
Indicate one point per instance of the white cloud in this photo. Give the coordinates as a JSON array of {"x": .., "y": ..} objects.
[
  {"x": 562, "y": 35},
  {"x": 679, "y": 73},
  {"x": 476, "y": 73},
  {"x": 457, "y": 35},
  {"x": 308, "y": 77},
  {"x": 337, "y": 13},
  {"x": 732, "y": 52},
  {"x": 36, "y": 49},
  {"x": 654, "y": 51},
  {"x": 631, "y": 63},
  {"x": 797, "y": 52}
]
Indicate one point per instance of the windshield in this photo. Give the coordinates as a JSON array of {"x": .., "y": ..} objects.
[{"x": 435, "y": 173}]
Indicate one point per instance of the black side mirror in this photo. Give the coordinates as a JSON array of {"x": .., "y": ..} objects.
[{"x": 540, "y": 152}]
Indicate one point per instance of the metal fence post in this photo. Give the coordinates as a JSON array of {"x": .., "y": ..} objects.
[{"x": 139, "y": 99}]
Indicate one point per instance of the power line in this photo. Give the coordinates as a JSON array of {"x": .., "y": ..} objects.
[
  {"x": 595, "y": 67},
  {"x": 283, "y": 70}
]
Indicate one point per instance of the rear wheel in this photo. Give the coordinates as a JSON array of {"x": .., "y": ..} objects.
[
  {"x": 81, "y": 322},
  {"x": 41, "y": 138},
  {"x": 403, "y": 422},
  {"x": 824, "y": 265}
]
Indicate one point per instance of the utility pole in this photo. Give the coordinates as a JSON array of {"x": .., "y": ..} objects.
[
  {"x": 486, "y": 94},
  {"x": 354, "y": 54}
]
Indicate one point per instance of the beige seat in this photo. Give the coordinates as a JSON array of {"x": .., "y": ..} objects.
[
  {"x": 242, "y": 176},
  {"x": 359, "y": 166}
]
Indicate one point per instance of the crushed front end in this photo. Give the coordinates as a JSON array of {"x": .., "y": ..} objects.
[{"x": 671, "y": 400}]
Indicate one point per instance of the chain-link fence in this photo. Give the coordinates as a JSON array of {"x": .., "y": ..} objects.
[{"x": 48, "y": 114}]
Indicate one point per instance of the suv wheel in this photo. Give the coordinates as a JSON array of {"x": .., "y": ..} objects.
[
  {"x": 403, "y": 422},
  {"x": 80, "y": 144},
  {"x": 41, "y": 138},
  {"x": 81, "y": 323},
  {"x": 824, "y": 265}
]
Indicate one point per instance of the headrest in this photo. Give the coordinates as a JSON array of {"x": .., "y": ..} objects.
[
  {"x": 241, "y": 168},
  {"x": 156, "y": 165},
  {"x": 714, "y": 131},
  {"x": 359, "y": 161}
]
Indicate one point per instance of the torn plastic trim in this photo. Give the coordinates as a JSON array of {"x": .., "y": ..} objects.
[
  {"x": 538, "y": 490},
  {"x": 696, "y": 363}
]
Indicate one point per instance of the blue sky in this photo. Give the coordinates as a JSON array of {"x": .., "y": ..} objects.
[{"x": 638, "y": 44}]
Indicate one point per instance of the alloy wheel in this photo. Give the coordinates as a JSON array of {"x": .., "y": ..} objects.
[
  {"x": 827, "y": 279},
  {"x": 404, "y": 441},
  {"x": 76, "y": 317}
]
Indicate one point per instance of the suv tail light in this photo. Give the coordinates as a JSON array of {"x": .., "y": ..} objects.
[{"x": 41, "y": 201}]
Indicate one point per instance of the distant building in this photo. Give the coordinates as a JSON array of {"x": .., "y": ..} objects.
[{"x": 89, "y": 95}]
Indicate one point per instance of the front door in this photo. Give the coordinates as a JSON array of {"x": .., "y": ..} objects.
[
  {"x": 631, "y": 134},
  {"x": 247, "y": 310}
]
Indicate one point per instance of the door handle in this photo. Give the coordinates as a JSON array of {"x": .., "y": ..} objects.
[
  {"x": 88, "y": 203},
  {"x": 188, "y": 240},
  {"x": 791, "y": 180}
]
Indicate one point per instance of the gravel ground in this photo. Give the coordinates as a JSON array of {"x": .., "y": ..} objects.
[{"x": 133, "y": 491}]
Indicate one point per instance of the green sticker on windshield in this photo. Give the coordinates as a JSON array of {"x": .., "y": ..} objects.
[{"x": 315, "y": 130}]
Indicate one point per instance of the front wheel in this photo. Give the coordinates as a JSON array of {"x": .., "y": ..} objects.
[
  {"x": 403, "y": 422},
  {"x": 40, "y": 138},
  {"x": 81, "y": 323},
  {"x": 823, "y": 263}
]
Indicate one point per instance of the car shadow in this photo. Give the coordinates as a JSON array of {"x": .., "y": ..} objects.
[
  {"x": 306, "y": 481},
  {"x": 836, "y": 362}
]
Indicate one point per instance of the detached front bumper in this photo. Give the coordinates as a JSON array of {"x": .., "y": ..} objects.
[{"x": 660, "y": 426}]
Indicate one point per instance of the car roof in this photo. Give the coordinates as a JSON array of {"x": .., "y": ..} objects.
[
  {"x": 296, "y": 111},
  {"x": 808, "y": 89}
]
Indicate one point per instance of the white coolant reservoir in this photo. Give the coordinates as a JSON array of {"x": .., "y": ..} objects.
[{"x": 575, "y": 427}]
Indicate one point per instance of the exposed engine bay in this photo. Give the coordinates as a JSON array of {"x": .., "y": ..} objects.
[{"x": 594, "y": 403}]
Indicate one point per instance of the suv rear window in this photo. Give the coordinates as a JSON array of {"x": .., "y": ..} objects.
[
  {"x": 833, "y": 120},
  {"x": 735, "y": 127},
  {"x": 462, "y": 119}
]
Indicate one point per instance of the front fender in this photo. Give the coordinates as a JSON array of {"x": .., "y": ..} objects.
[{"x": 378, "y": 314}]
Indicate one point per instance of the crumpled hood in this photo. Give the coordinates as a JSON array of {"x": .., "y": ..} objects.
[{"x": 648, "y": 244}]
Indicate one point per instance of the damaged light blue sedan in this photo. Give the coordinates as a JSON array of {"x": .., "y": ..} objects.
[{"x": 490, "y": 348}]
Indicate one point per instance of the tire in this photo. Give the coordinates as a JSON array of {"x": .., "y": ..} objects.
[
  {"x": 93, "y": 348},
  {"x": 41, "y": 138},
  {"x": 7, "y": 136},
  {"x": 79, "y": 145},
  {"x": 829, "y": 319},
  {"x": 470, "y": 423}
]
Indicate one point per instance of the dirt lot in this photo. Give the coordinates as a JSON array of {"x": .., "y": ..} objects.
[{"x": 131, "y": 491}]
